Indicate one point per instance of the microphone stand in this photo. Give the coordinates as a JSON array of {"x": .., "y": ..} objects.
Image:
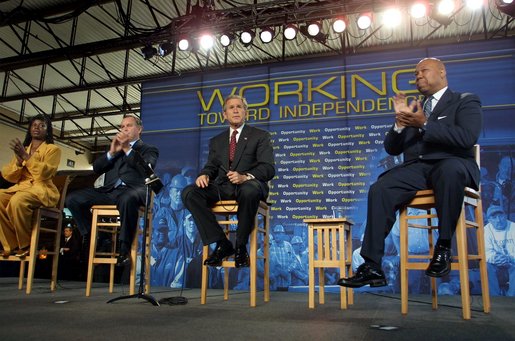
[{"x": 155, "y": 183}]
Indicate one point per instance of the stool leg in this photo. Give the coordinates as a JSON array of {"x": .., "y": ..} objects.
[
  {"x": 134, "y": 263},
  {"x": 348, "y": 263},
  {"x": 341, "y": 247},
  {"x": 253, "y": 264},
  {"x": 226, "y": 283},
  {"x": 205, "y": 276},
  {"x": 480, "y": 236},
  {"x": 461, "y": 240},
  {"x": 92, "y": 249},
  {"x": 403, "y": 225},
  {"x": 311, "y": 275},
  {"x": 266, "y": 262},
  {"x": 21, "y": 277}
]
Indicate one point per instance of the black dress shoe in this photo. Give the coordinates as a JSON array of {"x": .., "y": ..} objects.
[
  {"x": 441, "y": 263},
  {"x": 241, "y": 258},
  {"x": 366, "y": 274},
  {"x": 123, "y": 259},
  {"x": 223, "y": 250}
]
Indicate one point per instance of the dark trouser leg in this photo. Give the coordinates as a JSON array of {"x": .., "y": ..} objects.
[
  {"x": 248, "y": 197},
  {"x": 385, "y": 197},
  {"x": 128, "y": 202},
  {"x": 448, "y": 179},
  {"x": 199, "y": 202},
  {"x": 79, "y": 203}
]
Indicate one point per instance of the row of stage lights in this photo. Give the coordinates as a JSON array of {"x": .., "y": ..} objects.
[{"x": 441, "y": 11}]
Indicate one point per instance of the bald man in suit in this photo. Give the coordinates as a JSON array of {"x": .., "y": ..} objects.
[
  {"x": 437, "y": 137},
  {"x": 244, "y": 179}
]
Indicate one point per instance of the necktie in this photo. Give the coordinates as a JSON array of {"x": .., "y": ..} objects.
[
  {"x": 232, "y": 145},
  {"x": 428, "y": 106}
]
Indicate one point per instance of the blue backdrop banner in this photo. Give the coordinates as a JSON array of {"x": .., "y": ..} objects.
[{"x": 328, "y": 118}]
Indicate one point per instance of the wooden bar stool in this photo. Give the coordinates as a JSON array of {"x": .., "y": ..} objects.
[
  {"x": 226, "y": 209},
  {"x": 106, "y": 219},
  {"x": 334, "y": 250},
  {"x": 425, "y": 200},
  {"x": 46, "y": 221}
]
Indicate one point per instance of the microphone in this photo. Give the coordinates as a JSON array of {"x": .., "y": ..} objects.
[{"x": 152, "y": 179}]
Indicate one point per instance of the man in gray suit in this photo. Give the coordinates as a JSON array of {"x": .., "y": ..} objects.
[
  {"x": 239, "y": 164},
  {"x": 437, "y": 137}
]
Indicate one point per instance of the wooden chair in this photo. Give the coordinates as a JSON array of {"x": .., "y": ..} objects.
[
  {"x": 425, "y": 200},
  {"x": 226, "y": 209},
  {"x": 333, "y": 238},
  {"x": 47, "y": 226},
  {"x": 106, "y": 219}
]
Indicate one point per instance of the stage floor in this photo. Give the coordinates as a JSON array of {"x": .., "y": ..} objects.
[{"x": 67, "y": 314}]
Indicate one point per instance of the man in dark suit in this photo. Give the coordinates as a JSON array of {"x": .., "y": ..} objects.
[
  {"x": 239, "y": 175},
  {"x": 124, "y": 172},
  {"x": 69, "y": 254},
  {"x": 437, "y": 137}
]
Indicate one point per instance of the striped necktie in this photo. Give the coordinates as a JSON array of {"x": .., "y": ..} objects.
[{"x": 428, "y": 106}]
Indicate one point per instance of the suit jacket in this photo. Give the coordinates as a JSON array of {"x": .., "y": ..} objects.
[
  {"x": 254, "y": 155},
  {"x": 35, "y": 176},
  {"x": 74, "y": 244},
  {"x": 451, "y": 132},
  {"x": 126, "y": 168}
]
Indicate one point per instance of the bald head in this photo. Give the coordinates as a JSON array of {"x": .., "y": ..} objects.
[{"x": 430, "y": 76}]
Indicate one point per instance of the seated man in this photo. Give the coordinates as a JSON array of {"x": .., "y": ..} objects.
[
  {"x": 124, "y": 184},
  {"x": 437, "y": 139},
  {"x": 240, "y": 163}
]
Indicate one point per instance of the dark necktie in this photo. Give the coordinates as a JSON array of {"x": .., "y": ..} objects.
[
  {"x": 428, "y": 106},
  {"x": 232, "y": 145}
]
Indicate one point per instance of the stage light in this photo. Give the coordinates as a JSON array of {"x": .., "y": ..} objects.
[
  {"x": 206, "y": 41},
  {"x": 392, "y": 17},
  {"x": 290, "y": 32},
  {"x": 418, "y": 10},
  {"x": 314, "y": 28},
  {"x": 339, "y": 25},
  {"x": 267, "y": 34},
  {"x": 364, "y": 21},
  {"x": 506, "y": 6},
  {"x": 446, "y": 7},
  {"x": 442, "y": 12},
  {"x": 226, "y": 39},
  {"x": 320, "y": 36},
  {"x": 166, "y": 48},
  {"x": 246, "y": 37},
  {"x": 474, "y": 4},
  {"x": 148, "y": 52},
  {"x": 184, "y": 44}
]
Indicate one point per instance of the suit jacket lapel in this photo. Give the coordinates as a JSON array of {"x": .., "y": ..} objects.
[
  {"x": 240, "y": 147},
  {"x": 224, "y": 148},
  {"x": 442, "y": 103}
]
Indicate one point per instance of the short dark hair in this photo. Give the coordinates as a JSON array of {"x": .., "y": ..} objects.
[
  {"x": 49, "y": 138},
  {"x": 136, "y": 118},
  {"x": 241, "y": 98}
]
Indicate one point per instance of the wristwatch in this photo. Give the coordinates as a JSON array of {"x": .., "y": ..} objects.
[{"x": 249, "y": 176}]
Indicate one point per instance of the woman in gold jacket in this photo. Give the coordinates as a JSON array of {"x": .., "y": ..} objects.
[{"x": 31, "y": 170}]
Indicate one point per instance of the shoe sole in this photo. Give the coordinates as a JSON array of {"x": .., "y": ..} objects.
[
  {"x": 373, "y": 283},
  {"x": 437, "y": 275}
]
